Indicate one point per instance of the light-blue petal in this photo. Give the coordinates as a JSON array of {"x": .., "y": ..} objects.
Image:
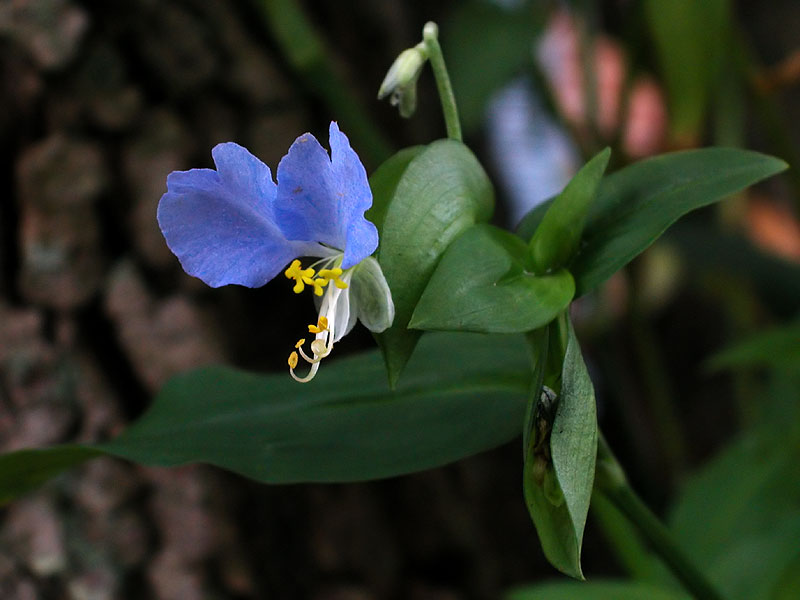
[
  {"x": 220, "y": 224},
  {"x": 323, "y": 198}
]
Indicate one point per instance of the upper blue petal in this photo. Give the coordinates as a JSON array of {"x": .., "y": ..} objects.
[
  {"x": 221, "y": 224},
  {"x": 324, "y": 198}
]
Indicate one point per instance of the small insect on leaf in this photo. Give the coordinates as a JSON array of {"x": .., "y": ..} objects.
[{"x": 544, "y": 415}]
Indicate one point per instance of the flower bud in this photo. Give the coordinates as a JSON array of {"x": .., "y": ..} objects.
[
  {"x": 400, "y": 82},
  {"x": 372, "y": 296}
]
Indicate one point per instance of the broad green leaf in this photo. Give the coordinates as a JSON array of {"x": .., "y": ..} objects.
[
  {"x": 635, "y": 205},
  {"x": 383, "y": 182},
  {"x": 558, "y": 236},
  {"x": 779, "y": 348},
  {"x": 594, "y": 590},
  {"x": 25, "y": 470},
  {"x": 742, "y": 492},
  {"x": 754, "y": 567},
  {"x": 739, "y": 516},
  {"x": 479, "y": 65},
  {"x": 788, "y": 587},
  {"x": 344, "y": 426},
  {"x": 481, "y": 285},
  {"x": 442, "y": 191},
  {"x": 690, "y": 38},
  {"x": 559, "y": 500}
]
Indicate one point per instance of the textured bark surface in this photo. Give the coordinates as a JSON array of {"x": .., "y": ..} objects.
[{"x": 100, "y": 102}]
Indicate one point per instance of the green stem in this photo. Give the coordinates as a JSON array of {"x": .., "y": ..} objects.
[
  {"x": 612, "y": 483},
  {"x": 430, "y": 35},
  {"x": 624, "y": 539},
  {"x": 659, "y": 390}
]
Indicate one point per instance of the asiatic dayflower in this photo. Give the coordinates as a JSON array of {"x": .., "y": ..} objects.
[{"x": 234, "y": 225}]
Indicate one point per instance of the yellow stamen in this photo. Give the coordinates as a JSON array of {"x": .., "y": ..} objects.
[
  {"x": 302, "y": 277},
  {"x": 333, "y": 275},
  {"x": 318, "y": 285},
  {"x": 321, "y": 326},
  {"x": 324, "y": 330}
]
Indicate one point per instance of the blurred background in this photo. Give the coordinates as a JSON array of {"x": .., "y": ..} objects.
[{"x": 100, "y": 100}]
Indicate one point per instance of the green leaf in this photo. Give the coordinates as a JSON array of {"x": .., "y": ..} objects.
[
  {"x": 744, "y": 491},
  {"x": 442, "y": 191},
  {"x": 558, "y": 235},
  {"x": 690, "y": 38},
  {"x": 383, "y": 182},
  {"x": 788, "y": 587},
  {"x": 777, "y": 348},
  {"x": 479, "y": 65},
  {"x": 559, "y": 500},
  {"x": 594, "y": 590},
  {"x": 344, "y": 426},
  {"x": 739, "y": 516},
  {"x": 635, "y": 205},
  {"x": 480, "y": 285},
  {"x": 25, "y": 470},
  {"x": 756, "y": 566}
]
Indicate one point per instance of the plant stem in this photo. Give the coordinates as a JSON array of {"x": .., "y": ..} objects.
[
  {"x": 631, "y": 552},
  {"x": 659, "y": 390},
  {"x": 612, "y": 483},
  {"x": 430, "y": 35}
]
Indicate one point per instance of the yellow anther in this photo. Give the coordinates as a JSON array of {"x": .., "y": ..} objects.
[
  {"x": 318, "y": 284},
  {"x": 321, "y": 326},
  {"x": 293, "y": 270},
  {"x": 333, "y": 275},
  {"x": 301, "y": 276},
  {"x": 300, "y": 343},
  {"x": 293, "y": 360}
]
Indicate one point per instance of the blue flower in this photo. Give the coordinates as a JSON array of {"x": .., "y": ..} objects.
[{"x": 234, "y": 225}]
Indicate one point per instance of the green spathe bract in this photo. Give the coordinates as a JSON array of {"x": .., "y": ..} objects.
[
  {"x": 481, "y": 285},
  {"x": 423, "y": 199},
  {"x": 570, "y": 477}
]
